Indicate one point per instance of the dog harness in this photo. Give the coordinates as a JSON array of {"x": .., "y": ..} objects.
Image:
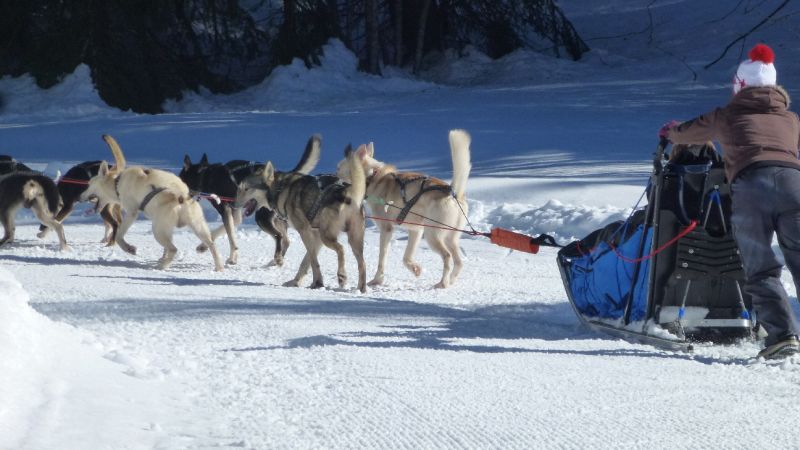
[
  {"x": 327, "y": 184},
  {"x": 153, "y": 192},
  {"x": 424, "y": 187}
]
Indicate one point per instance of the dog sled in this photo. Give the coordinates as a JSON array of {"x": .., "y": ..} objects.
[{"x": 671, "y": 274}]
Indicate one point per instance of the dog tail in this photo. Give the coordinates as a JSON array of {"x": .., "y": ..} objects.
[
  {"x": 459, "y": 151},
  {"x": 358, "y": 180},
  {"x": 310, "y": 156},
  {"x": 119, "y": 158}
]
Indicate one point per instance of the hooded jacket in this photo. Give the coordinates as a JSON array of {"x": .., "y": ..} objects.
[{"x": 756, "y": 127}]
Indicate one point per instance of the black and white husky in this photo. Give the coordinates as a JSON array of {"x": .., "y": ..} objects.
[
  {"x": 29, "y": 190},
  {"x": 71, "y": 186},
  {"x": 223, "y": 181}
]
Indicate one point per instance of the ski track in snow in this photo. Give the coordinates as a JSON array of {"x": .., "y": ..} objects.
[{"x": 499, "y": 360}]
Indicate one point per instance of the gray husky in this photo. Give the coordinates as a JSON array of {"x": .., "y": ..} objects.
[{"x": 319, "y": 208}]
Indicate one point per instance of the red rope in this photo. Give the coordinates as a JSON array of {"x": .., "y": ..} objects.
[
  {"x": 73, "y": 181},
  {"x": 214, "y": 196},
  {"x": 449, "y": 228},
  {"x": 671, "y": 242}
]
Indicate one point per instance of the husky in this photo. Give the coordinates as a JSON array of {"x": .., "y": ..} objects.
[
  {"x": 71, "y": 186},
  {"x": 393, "y": 196},
  {"x": 161, "y": 195},
  {"x": 319, "y": 208},
  {"x": 9, "y": 165},
  {"x": 223, "y": 180},
  {"x": 30, "y": 190}
]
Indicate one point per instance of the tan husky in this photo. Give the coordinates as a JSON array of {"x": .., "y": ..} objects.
[
  {"x": 319, "y": 208},
  {"x": 395, "y": 197},
  {"x": 162, "y": 196}
]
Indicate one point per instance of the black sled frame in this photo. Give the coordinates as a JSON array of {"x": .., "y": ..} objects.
[{"x": 694, "y": 286}]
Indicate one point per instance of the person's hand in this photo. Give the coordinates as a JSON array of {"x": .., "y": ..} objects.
[{"x": 664, "y": 131}]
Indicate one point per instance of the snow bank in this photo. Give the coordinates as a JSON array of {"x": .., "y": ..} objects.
[
  {"x": 58, "y": 391},
  {"x": 563, "y": 221},
  {"x": 74, "y": 97},
  {"x": 28, "y": 341},
  {"x": 296, "y": 86}
]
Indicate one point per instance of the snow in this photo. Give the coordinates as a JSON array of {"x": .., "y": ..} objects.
[{"x": 101, "y": 350}]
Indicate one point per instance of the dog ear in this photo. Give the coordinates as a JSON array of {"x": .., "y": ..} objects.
[
  {"x": 187, "y": 162},
  {"x": 348, "y": 150},
  {"x": 103, "y": 171},
  {"x": 371, "y": 149},
  {"x": 204, "y": 160},
  {"x": 362, "y": 151},
  {"x": 268, "y": 174}
]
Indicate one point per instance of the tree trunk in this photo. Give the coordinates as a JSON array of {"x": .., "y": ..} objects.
[
  {"x": 423, "y": 20},
  {"x": 373, "y": 45},
  {"x": 398, "y": 33}
]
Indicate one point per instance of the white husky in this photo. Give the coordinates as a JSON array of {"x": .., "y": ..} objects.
[
  {"x": 416, "y": 200},
  {"x": 162, "y": 196}
]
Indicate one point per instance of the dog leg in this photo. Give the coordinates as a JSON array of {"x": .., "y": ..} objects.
[
  {"x": 126, "y": 223},
  {"x": 62, "y": 214},
  {"x": 269, "y": 222},
  {"x": 386, "y": 229},
  {"x": 163, "y": 234},
  {"x": 40, "y": 209},
  {"x": 452, "y": 245},
  {"x": 230, "y": 228},
  {"x": 333, "y": 244},
  {"x": 8, "y": 225},
  {"x": 109, "y": 226},
  {"x": 355, "y": 237},
  {"x": 434, "y": 239},
  {"x": 312, "y": 242},
  {"x": 414, "y": 235},
  {"x": 301, "y": 272},
  {"x": 197, "y": 223}
]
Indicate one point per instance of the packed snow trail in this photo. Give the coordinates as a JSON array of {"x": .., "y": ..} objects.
[{"x": 498, "y": 360}]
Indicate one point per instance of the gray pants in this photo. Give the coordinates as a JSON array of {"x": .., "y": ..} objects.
[{"x": 766, "y": 200}]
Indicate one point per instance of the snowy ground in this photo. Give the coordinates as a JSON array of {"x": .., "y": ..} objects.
[
  {"x": 233, "y": 360},
  {"x": 100, "y": 350}
]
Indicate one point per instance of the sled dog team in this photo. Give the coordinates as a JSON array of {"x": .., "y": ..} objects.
[{"x": 318, "y": 207}]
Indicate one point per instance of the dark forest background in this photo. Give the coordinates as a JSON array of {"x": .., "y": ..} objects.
[{"x": 142, "y": 52}]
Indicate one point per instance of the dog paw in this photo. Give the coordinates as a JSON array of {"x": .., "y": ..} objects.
[
  {"x": 128, "y": 248},
  {"x": 218, "y": 269},
  {"x": 415, "y": 268},
  {"x": 276, "y": 262},
  {"x": 231, "y": 261},
  {"x": 41, "y": 234},
  {"x": 317, "y": 285},
  {"x": 290, "y": 283},
  {"x": 342, "y": 278},
  {"x": 440, "y": 285},
  {"x": 64, "y": 248},
  {"x": 202, "y": 248},
  {"x": 362, "y": 288}
]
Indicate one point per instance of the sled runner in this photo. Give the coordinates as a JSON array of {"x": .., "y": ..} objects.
[{"x": 671, "y": 274}]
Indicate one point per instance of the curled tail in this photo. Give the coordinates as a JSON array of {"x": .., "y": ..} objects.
[
  {"x": 119, "y": 158},
  {"x": 459, "y": 151},
  {"x": 358, "y": 180},
  {"x": 310, "y": 156}
]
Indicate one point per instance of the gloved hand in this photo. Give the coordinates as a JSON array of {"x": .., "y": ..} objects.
[{"x": 664, "y": 131}]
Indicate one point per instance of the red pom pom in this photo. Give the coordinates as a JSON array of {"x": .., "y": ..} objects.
[{"x": 763, "y": 53}]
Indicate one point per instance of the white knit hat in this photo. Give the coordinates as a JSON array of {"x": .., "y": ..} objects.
[{"x": 757, "y": 71}]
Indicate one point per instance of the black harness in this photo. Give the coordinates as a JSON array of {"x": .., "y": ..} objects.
[
  {"x": 153, "y": 192},
  {"x": 424, "y": 187},
  {"x": 325, "y": 193},
  {"x": 327, "y": 187}
]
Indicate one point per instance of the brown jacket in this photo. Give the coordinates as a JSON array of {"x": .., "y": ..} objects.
[{"x": 755, "y": 127}]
